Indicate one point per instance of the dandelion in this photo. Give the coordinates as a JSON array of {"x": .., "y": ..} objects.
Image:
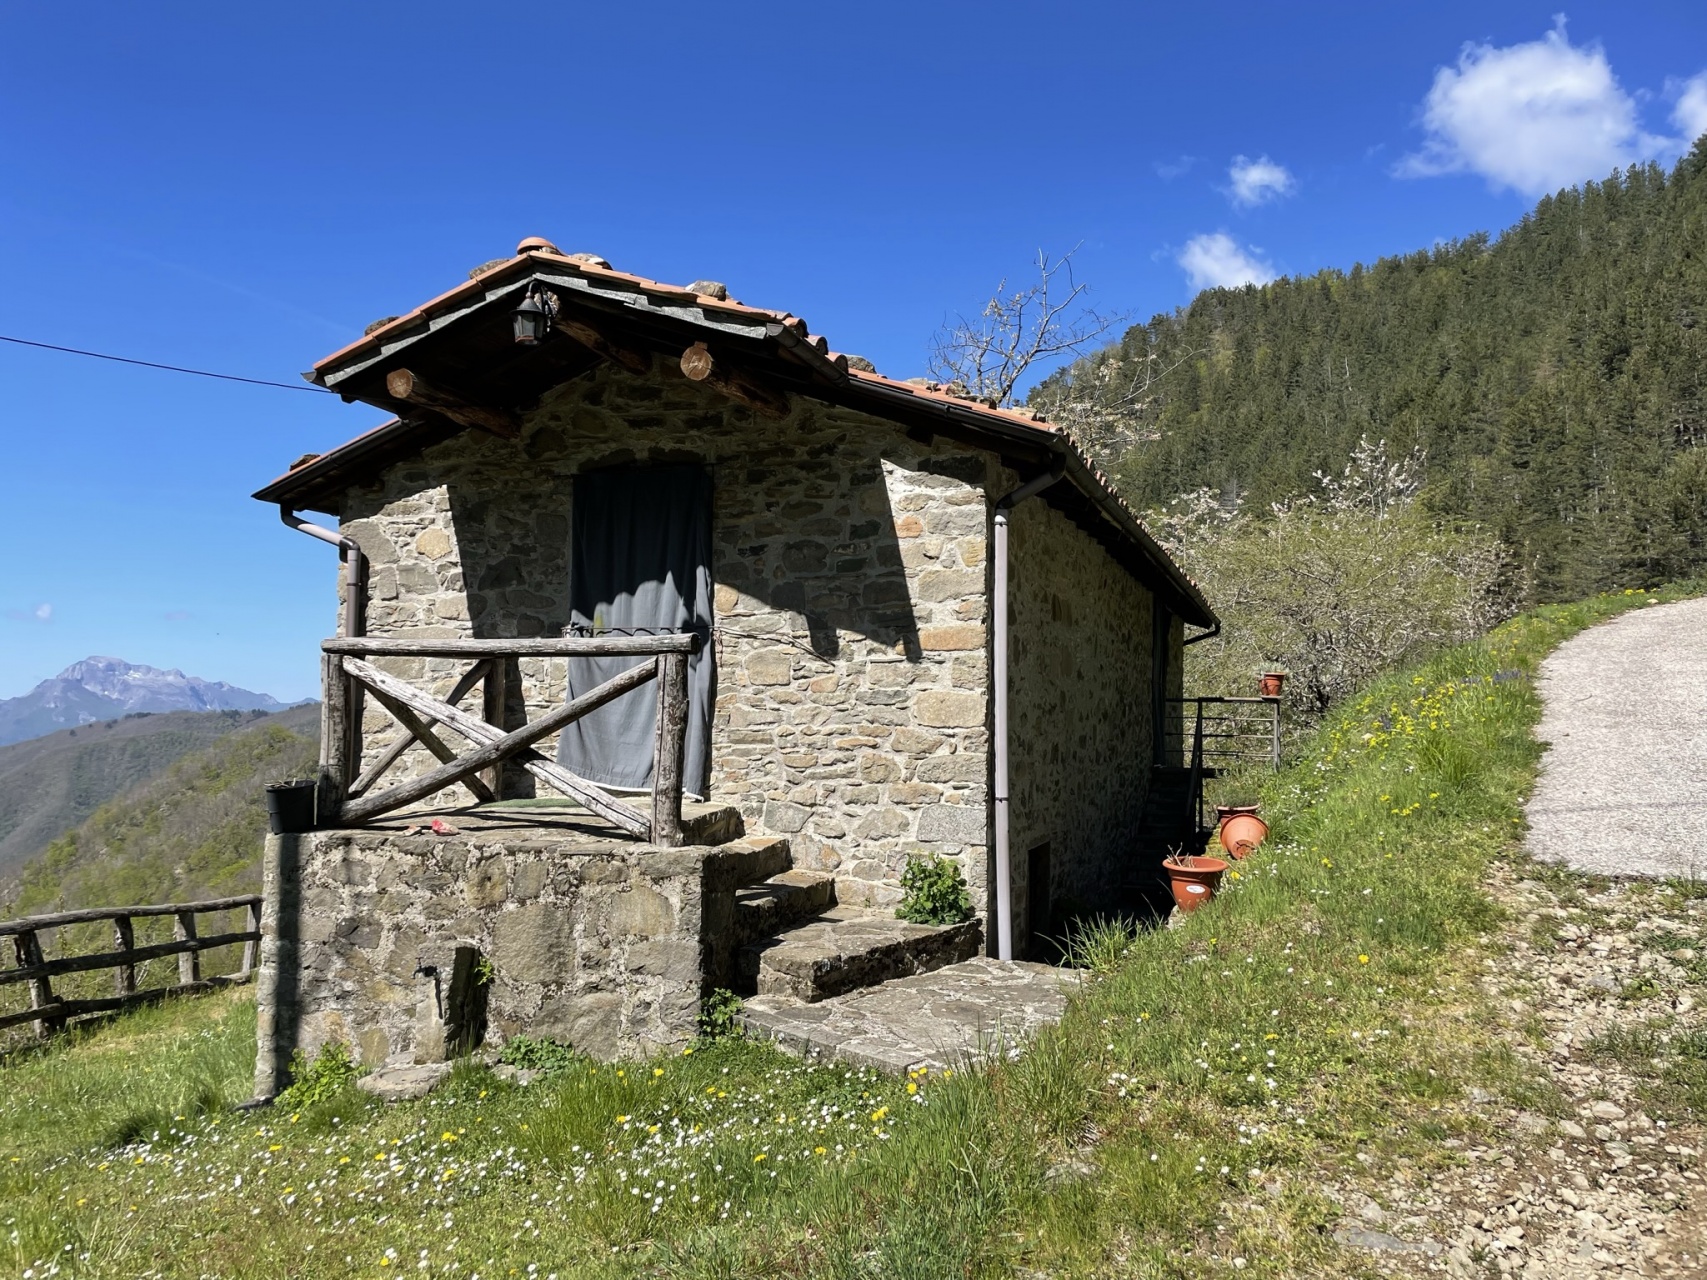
[{"x": 1362, "y": 959}]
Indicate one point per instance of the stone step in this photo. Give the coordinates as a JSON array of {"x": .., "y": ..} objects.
[
  {"x": 844, "y": 949},
  {"x": 772, "y": 905},
  {"x": 704, "y": 823},
  {"x": 978, "y": 1010},
  {"x": 758, "y": 858}
]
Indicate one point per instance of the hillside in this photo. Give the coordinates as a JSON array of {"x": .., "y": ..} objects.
[
  {"x": 1556, "y": 378},
  {"x": 99, "y": 688},
  {"x": 192, "y": 828},
  {"x": 50, "y": 784},
  {"x": 1422, "y": 1054}
]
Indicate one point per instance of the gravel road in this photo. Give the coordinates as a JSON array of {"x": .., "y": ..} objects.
[{"x": 1623, "y": 786}]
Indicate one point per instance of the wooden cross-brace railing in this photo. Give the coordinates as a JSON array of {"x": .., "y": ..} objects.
[{"x": 346, "y": 795}]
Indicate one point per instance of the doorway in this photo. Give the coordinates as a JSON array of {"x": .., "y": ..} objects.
[{"x": 639, "y": 564}]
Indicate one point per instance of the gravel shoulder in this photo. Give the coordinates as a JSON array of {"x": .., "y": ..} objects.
[
  {"x": 1623, "y": 785},
  {"x": 1597, "y": 1172}
]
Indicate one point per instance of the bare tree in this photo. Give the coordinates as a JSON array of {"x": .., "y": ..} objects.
[
  {"x": 1107, "y": 399},
  {"x": 985, "y": 358}
]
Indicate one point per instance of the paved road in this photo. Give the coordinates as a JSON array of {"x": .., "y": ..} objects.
[{"x": 1623, "y": 787}]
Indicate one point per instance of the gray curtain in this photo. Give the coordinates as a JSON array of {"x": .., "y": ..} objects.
[{"x": 640, "y": 564}]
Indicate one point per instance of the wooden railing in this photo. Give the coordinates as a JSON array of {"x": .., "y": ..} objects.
[
  {"x": 50, "y": 1013},
  {"x": 346, "y": 798},
  {"x": 1234, "y": 731}
]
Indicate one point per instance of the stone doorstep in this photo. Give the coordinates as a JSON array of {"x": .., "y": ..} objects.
[
  {"x": 844, "y": 949},
  {"x": 958, "y": 1016},
  {"x": 772, "y": 905}
]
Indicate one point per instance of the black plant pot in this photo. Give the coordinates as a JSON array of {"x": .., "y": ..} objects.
[{"x": 290, "y": 806}]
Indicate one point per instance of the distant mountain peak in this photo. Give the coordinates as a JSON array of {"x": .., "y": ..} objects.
[{"x": 104, "y": 688}]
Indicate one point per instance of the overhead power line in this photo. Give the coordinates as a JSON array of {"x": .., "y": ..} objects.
[{"x": 170, "y": 368}]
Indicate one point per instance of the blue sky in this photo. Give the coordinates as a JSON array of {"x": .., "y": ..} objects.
[{"x": 243, "y": 187}]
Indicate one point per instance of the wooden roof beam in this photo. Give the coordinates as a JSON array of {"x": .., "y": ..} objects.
[
  {"x": 412, "y": 389},
  {"x": 698, "y": 365},
  {"x": 599, "y": 343}
]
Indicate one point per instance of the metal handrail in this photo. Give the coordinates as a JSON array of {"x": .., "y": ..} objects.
[
  {"x": 1269, "y": 734},
  {"x": 1194, "y": 784}
]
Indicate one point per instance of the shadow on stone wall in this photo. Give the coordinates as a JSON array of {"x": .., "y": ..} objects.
[
  {"x": 808, "y": 535},
  {"x": 824, "y": 547}
]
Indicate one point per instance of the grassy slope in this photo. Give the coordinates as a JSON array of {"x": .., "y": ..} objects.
[
  {"x": 1320, "y": 1018},
  {"x": 192, "y": 829},
  {"x": 49, "y": 785}
]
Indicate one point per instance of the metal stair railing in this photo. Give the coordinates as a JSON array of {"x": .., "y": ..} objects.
[
  {"x": 1194, "y": 782},
  {"x": 1237, "y": 730}
]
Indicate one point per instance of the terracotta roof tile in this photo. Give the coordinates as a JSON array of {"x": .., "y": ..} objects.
[{"x": 598, "y": 271}]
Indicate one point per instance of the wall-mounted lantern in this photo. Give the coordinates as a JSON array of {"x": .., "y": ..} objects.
[{"x": 532, "y": 318}]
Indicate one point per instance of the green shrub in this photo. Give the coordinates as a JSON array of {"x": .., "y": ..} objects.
[
  {"x": 318, "y": 1081},
  {"x": 933, "y": 892},
  {"x": 536, "y": 1053},
  {"x": 719, "y": 1015}
]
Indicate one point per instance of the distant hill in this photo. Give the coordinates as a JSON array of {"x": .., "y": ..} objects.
[
  {"x": 192, "y": 830},
  {"x": 50, "y": 784},
  {"x": 1555, "y": 377},
  {"x": 98, "y": 689}
]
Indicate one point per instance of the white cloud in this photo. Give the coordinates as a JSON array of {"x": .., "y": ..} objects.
[
  {"x": 1167, "y": 171},
  {"x": 1690, "y": 113},
  {"x": 1216, "y": 260},
  {"x": 1258, "y": 181},
  {"x": 1533, "y": 117},
  {"x": 44, "y": 612}
]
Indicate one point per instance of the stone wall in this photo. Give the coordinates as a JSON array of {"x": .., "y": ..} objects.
[
  {"x": 608, "y": 946},
  {"x": 1080, "y": 706},
  {"x": 851, "y": 588}
]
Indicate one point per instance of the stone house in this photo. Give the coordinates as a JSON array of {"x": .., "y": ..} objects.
[{"x": 581, "y": 453}]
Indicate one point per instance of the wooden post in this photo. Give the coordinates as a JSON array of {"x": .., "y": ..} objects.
[
  {"x": 189, "y": 962},
  {"x": 492, "y": 712},
  {"x": 671, "y": 739},
  {"x": 26, "y": 949},
  {"x": 124, "y": 939},
  {"x": 252, "y": 948},
  {"x": 334, "y": 738}
]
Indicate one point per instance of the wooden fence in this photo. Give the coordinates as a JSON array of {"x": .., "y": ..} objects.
[{"x": 50, "y": 1013}]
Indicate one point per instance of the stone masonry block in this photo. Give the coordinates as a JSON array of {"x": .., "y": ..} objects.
[
  {"x": 950, "y": 584},
  {"x": 641, "y": 912},
  {"x": 953, "y": 824},
  {"x": 532, "y": 944},
  {"x": 960, "y": 635},
  {"x": 770, "y": 667},
  {"x": 948, "y": 709}
]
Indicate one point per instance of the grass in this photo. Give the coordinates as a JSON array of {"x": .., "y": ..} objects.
[{"x": 1320, "y": 1021}]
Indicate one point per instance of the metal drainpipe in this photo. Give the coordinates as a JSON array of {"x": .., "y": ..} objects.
[
  {"x": 999, "y": 676},
  {"x": 354, "y": 567}
]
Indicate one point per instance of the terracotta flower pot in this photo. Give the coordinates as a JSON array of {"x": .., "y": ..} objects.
[
  {"x": 1269, "y": 683},
  {"x": 1225, "y": 811},
  {"x": 1193, "y": 880},
  {"x": 1242, "y": 833}
]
